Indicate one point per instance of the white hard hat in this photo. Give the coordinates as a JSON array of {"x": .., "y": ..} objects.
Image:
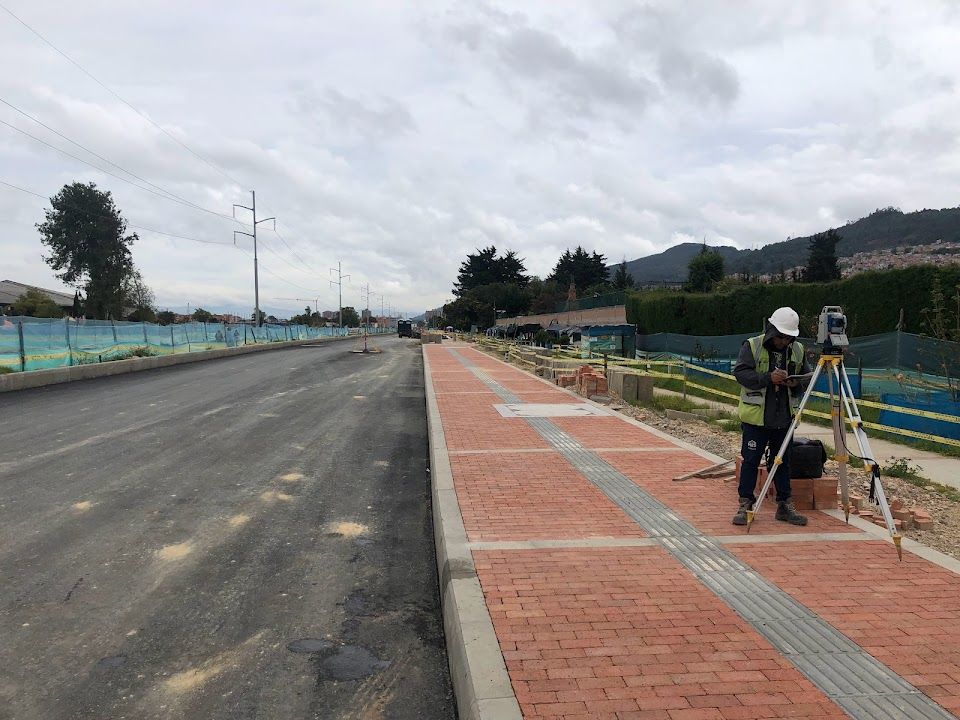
[{"x": 786, "y": 321}]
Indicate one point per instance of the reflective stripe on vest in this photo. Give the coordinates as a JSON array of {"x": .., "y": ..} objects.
[{"x": 750, "y": 409}]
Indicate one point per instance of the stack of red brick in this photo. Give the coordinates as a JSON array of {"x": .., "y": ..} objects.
[
  {"x": 808, "y": 493},
  {"x": 587, "y": 381},
  {"x": 903, "y": 518}
]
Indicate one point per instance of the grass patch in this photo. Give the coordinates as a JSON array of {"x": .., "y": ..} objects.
[{"x": 4, "y": 370}]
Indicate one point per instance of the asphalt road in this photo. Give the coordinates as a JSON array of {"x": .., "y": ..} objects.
[{"x": 239, "y": 538}]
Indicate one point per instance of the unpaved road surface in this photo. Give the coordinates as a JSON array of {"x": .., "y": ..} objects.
[{"x": 241, "y": 538}]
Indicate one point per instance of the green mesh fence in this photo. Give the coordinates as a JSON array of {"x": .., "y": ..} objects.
[{"x": 38, "y": 343}]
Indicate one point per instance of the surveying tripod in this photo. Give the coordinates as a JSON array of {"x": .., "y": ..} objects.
[{"x": 842, "y": 403}]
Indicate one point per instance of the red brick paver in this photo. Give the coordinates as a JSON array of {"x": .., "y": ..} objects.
[
  {"x": 907, "y": 615},
  {"x": 626, "y": 632},
  {"x": 610, "y": 631},
  {"x": 513, "y": 496},
  {"x": 708, "y": 503}
]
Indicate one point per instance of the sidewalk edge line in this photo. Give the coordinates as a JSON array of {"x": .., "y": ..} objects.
[{"x": 478, "y": 672}]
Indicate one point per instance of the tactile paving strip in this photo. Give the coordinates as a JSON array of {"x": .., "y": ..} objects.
[{"x": 860, "y": 684}]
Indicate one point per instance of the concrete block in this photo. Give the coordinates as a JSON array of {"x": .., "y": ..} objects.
[{"x": 684, "y": 416}]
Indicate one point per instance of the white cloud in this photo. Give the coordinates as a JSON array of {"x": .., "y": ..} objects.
[{"x": 398, "y": 138}]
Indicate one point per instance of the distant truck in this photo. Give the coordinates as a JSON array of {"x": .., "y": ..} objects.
[{"x": 405, "y": 328}]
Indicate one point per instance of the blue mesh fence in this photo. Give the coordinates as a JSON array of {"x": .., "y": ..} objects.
[
  {"x": 898, "y": 368},
  {"x": 37, "y": 343}
]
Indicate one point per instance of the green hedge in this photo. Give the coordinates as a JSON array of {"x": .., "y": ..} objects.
[{"x": 871, "y": 300}]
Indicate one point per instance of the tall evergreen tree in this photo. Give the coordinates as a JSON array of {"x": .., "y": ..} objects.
[
  {"x": 704, "y": 270},
  {"x": 622, "y": 280},
  {"x": 485, "y": 268},
  {"x": 822, "y": 263},
  {"x": 583, "y": 269}
]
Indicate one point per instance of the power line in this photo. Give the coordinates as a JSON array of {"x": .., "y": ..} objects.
[
  {"x": 101, "y": 157},
  {"x": 280, "y": 277},
  {"x": 283, "y": 259},
  {"x": 130, "y": 225},
  {"x": 306, "y": 264},
  {"x": 119, "y": 177},
  {"x": 90, "y": 75}
]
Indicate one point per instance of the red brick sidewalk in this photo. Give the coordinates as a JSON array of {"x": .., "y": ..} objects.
[{"x": 601, "y": 625}]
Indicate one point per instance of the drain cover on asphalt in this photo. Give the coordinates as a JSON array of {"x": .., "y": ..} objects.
[{"x": 528, "y": 410}]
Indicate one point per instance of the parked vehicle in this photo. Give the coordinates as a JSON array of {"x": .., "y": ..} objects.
[{"x": 404, "y": 328}]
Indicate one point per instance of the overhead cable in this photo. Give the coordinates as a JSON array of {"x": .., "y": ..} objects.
[
  {"x": 120, "y": 177},
  {"x": 90, "y": 75},
  {"x": 130, "y": 225},
  {"x": 56, "y": 132}
]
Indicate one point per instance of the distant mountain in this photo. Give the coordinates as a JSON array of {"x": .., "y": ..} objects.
[{"x": 881, "y": 230}]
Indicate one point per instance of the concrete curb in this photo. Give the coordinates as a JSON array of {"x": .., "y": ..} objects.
[
  {"x": 480, "y": 680},
  {"x": 40, "y": 378}
]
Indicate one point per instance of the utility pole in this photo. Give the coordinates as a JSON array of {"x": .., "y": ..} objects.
[
  {"x": 256, "y": 271},
  {"x": 339, "y": 284},
  {"x": 366, "y": 294}
]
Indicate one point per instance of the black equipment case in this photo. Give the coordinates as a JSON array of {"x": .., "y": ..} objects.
[{"x": 807, "y": 458}]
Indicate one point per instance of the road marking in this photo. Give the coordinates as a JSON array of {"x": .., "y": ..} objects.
[
  {"x": 381, "y": 463},
  {"x": 175, "y": 552},
  {"x": 272, "y": 495},
  {"x": 359, "y": 397},
  {"x": 82, "y": 506},
  {"x": 240, "y": 519},
  {"x": 292, "y": 477}
]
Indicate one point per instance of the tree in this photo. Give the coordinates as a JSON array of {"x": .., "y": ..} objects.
[
  {"x": 822, "y": 263},
  {"x": 350, "y": 317},
  {"x": 166, "y": 317},
  {"x": 704, "y": 270},
  {"x": 585, "y": 270},
  {"x": 201, "y": 315},
  {"x": 622, "y": 280},
  {"x": 36, "y": 303},
  {"x": 486, "y": 268},
  {"x": 89, "y": 246},
  {"x": 138, "y": 299}
]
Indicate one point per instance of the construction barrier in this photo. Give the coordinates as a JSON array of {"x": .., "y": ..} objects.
[{"x": 41, "y": 344}]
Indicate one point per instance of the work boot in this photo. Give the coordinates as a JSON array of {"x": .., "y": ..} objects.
[
  {"x": 788, "y": 513},
  {"x": 741, "y": 517}
]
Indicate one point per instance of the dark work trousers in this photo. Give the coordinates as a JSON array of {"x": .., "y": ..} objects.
[{"x": 755, "y": 440}]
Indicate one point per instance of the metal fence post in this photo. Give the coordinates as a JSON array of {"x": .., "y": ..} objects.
[
  {"x": 113, "y": 328},
  {"x": 206, "y": 337},
  {"x": 66, "y": 333},
  {"x": 173, "y": 345},
  {"x": 683, "y": 367},
  {"x": 23, "y": 354},
  {"x": 244, "y": 333},
  {"x": 145, "y": 341}
]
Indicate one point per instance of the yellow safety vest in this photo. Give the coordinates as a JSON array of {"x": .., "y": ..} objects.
[{"x": 752, "y": 402}]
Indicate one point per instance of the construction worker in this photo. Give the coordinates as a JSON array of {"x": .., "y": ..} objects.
[{"x": 768, "y": 401}]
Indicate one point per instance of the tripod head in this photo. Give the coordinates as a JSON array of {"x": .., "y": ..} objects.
[{"x": 832, "y": 330}]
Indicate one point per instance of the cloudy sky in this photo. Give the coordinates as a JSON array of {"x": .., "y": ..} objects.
[{"x": 397, "y": 137}]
